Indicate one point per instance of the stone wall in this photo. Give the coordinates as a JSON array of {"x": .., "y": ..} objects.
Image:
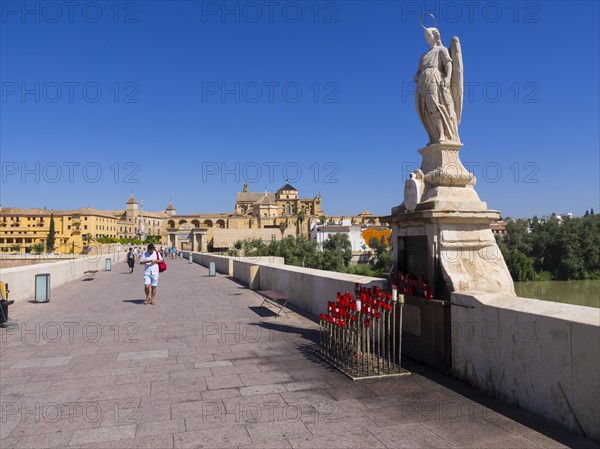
[
  {"x": 309, "y": 288},
  {"x": 21, "y": 280},
  {"x": 543, "y": 356},
  {"x": 225, "y": 238},
  {"x": 225, "y": 264}
]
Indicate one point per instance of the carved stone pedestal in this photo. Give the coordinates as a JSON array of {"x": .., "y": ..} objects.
[{"x": 443, "y": 217}]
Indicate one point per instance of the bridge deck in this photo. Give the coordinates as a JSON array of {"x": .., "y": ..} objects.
[{"x": 207, "y": 367}]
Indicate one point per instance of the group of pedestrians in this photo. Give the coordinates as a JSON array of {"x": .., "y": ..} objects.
[
  {"x": 135, "y": 253},
  {"x": 165, "y": 251},
  {"x": 150, "y": 258}
]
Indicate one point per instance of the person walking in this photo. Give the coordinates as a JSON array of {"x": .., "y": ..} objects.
[
  {"x": 173, "y": 251},
  {"x": 130, "y": 259},
  {"x": 151, "y": 258}
]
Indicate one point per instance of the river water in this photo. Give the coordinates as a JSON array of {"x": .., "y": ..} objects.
[{"x": 581, "y": 293}]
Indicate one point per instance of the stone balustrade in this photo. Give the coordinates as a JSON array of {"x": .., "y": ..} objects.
[{"x": 542, "y": 355}]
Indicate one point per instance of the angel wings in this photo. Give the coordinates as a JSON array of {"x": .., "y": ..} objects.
[{"x": 457, "y": 80}]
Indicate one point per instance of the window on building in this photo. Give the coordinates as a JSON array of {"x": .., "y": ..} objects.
[{"x": 84, "y": 226}]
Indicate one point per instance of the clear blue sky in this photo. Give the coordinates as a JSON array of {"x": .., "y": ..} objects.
[{"x": 136, "y": 91}]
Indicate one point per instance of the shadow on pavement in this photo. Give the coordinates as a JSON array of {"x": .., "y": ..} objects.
[{"x": 134, "y": 301}]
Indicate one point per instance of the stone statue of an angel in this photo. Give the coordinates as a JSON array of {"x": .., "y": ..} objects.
[{"x": 439, "y": 80}]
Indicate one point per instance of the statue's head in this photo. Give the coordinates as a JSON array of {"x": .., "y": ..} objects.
[{"x": 432, "y": 35}]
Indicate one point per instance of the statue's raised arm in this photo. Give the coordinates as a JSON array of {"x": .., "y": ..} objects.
[{"x": 440, "y": 88}]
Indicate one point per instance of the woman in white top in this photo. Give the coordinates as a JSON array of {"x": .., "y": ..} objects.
[{"x": 151, "y": 258}]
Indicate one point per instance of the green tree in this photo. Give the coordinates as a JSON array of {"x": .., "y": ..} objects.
[
  {"x": 282, "y": 227},
  {"x": 520, "y": 266},
  {"x": 570, "y": 264},
  {"x": 299, "y": 251},
  {"x": 384, "y": 256},
  {"x": 287, "y": 248},
  {"x": 301, "y": 217},
  {"x": 337, "y": 253},
  {"x": 38, "y": 248},
  {"x": 152, "y": 239},
  {"x": 87, "y": 240},
  {"x": 545, "y": 252},
  {"x": 518, "y": 236},
  {"x": 254, "y": 248},
  {"x": 589, "y": 242},
  {"x": 51, "y": 235}
]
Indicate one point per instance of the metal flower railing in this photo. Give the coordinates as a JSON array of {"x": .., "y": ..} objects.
[{"x": 361, "y": 334}]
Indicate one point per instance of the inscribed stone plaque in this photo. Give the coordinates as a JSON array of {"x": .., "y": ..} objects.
[{"x": 411, "y": 320}]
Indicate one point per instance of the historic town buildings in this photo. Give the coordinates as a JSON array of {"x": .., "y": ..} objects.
[
  {"x": 22, "y": 229},
  {"x": 261, "y": 215}
]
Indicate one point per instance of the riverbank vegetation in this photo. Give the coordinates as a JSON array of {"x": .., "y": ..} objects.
[
  {"x": 539, "y": 249},
  {"x": 336, "y": 254}
]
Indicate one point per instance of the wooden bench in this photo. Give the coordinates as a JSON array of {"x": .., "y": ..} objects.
[
  {"x": 90, "y": 275},
  {"x": 276, "y": 298}
]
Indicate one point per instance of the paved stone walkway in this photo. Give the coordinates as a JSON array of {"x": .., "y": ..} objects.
[{"x": 206, "y": 367}]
